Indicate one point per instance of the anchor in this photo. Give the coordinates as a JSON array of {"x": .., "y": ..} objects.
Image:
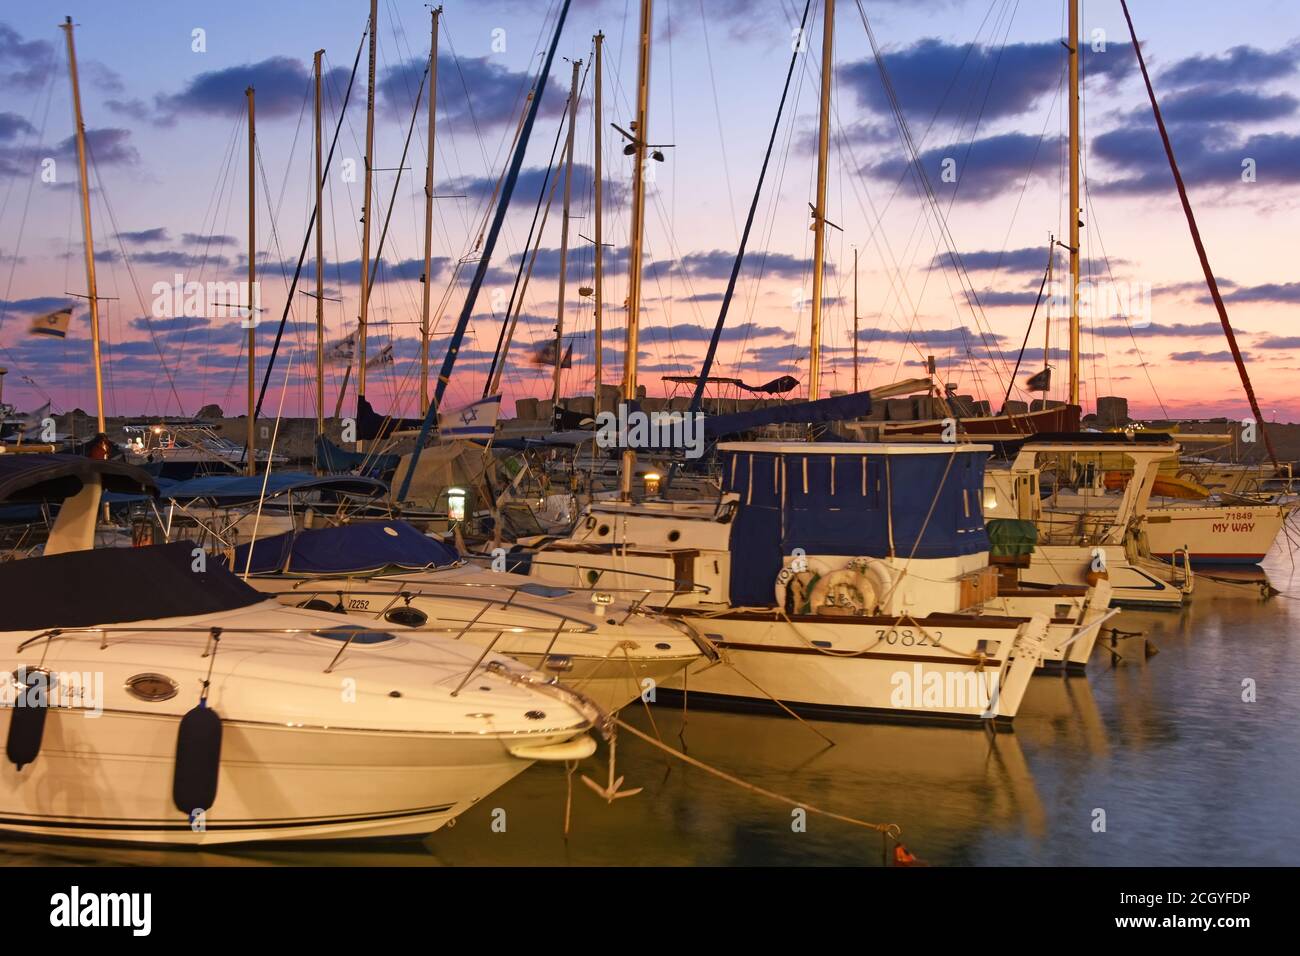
[{"x": 612, "y": 791}]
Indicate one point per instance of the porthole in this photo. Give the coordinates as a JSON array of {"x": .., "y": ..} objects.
[
  {"x": 151, "y": 687},
  {"x": 674, "y": 535},
  {"x": 407, "y": 617},
  {"x": 603, "y": 530},
  {"x": 535, "y": 714}
]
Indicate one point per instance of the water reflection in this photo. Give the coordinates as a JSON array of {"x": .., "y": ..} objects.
[{"x": 1185, "y": 767}]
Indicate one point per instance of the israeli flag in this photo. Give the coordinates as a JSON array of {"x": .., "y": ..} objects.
[
  {"x": 478, "y": 420},
  {"x": 54, "y": 324}
]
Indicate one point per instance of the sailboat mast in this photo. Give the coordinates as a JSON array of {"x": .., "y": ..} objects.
[
  {"x": 819, "y": 210},
  {"x": 428, "y": 214},
  {"x": 320, "y": 262},
  {"x": 1076, "y": 210},
  {"x": 855, "y": 321},
  {"x": 598, "y": 277},
  {"x": 639, "y": 130},
  {"x": 88, "y": 240},
  {"x": 564, "y": 235},
  {"x": 252, "y": 283},
  {"x": 366, "y": 203}
]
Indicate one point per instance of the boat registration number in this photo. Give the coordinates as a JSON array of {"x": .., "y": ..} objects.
[
  {"x": 358, "y": 604},
  {"x": 906, "y": 637}
]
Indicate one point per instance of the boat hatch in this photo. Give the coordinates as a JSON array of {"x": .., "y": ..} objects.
[
  {"x": 542, "y": 590},
  {"x": 355, "y": 634}
]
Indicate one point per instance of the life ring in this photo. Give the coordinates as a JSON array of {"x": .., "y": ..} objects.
[
  {"x": 858, "y": 587},
  {"x": 806, "y": 579}
]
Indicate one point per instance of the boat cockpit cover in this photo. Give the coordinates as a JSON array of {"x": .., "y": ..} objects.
[
  {"x": 348, "y": 549},
  {"x": 55, "y": 477},
  {"x": 239, "y": 489},
  {"x": 850, "y": 503},
  {"x": 114, "y": 585},
  {"x": 836, "y": 409},
  {"x": 332, "y": 458}
]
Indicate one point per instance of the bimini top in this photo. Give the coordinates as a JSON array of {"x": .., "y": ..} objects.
[
  {"x": 852, "y": 499},
  {"x": 113, "y": 585},
  {"x": 238, "y": 489},
  {"x": 837, "y": 408},
  {"x": 364, "y": 547},
  {"x": 55, "y": 477}
]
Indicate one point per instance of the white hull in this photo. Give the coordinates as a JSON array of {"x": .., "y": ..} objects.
[
  {"x": 945, "y": 668},
  {"x": 1229, "y": 534},
  {"x": 110, "y": 778},
  {"x": 319, "y": 740}
]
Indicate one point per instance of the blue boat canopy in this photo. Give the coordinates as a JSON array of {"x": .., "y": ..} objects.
[
  {"x": 359, "y": 548},
  {"x": 836, "y": 409},
  {"x": 237, "y": 489},
  {"x": 331, "y": 458},
  {"x": 852, "y": 499}
]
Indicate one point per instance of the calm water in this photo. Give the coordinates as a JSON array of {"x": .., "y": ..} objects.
[{"x": 1186, "y": 772}]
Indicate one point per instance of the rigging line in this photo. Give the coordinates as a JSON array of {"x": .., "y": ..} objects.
[
  {"x": 1051, "y": 251},
  {"x": 1210, "y": 281},
  {"x": 953, "y": 198},
  {"x": 480, "y": 273},
  {"x": 497, "y": 356},
  {"x": 27, "y": 202},
  {"x": 1096, "y": 230},
  {"x": 717, "y": 113},
  {"x": 307, "y": 235},
  {"x": 698, "y": 398},
  {"x": 117, "y": 230},
  {"x": 921, "y": 177},
  {"x": 919, "y": 174}
]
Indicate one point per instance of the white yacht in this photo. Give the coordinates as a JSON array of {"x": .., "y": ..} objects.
[
  {"x": 150, "y": 696},
  {"x": 606, "y": 643},
  {"x": 843, "y": 579},
  {"x": 1078, "y": 545}
]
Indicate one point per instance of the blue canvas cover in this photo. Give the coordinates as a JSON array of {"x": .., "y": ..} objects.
[
  {"x": 348, "y": 549},
  {"x": 236, "y": 489},
  {"x": 842, "y": 504},
  {"x": 836, "y": 409},
  {"x": 334, "y": 459}
]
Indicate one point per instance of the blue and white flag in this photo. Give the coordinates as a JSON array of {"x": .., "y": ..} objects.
[
  {"x": 54, "y": 324},
  {"x": 478, "y": 420}
]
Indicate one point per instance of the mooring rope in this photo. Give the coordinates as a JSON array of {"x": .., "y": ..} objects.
[{"x": 891, "y": 830}]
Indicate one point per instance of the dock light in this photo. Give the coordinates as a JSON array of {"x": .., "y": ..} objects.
[
  {"x": 601, "y": 600},
  {"x": 651, "y": 482},
  {"x": 456, "y": 504}
]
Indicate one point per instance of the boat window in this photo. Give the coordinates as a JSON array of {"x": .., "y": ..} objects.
[
  {"x": 542, "y": 590},
  {"x": 357, "y": 634},
  {"x": 407, "y": 617}
]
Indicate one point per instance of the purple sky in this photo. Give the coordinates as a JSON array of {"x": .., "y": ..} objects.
[{"x": 978, "y": 82}]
